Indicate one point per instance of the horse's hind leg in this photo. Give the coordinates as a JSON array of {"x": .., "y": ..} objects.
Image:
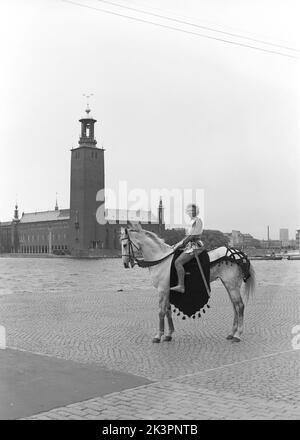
[
  {"x": 233, "y": 288},
  {"x": 239, "y": 314},
  {"x": 235, "y": 315}
]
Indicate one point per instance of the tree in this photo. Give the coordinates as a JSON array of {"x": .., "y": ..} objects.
[
  {"x": 173, "y": 236},
  {"x": 213, "y": 239}
]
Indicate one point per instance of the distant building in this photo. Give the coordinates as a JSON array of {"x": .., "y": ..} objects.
[
  {"x": 236, "y": 239},
  {"x": 284, "y": 237},
  {"x": 248, "y": 240},
  {"x": 292, "y": 244},
  {"x": 298, "y": 239},
  {"x": 242, "y": 241},
  {"x": 76, "y": 230},
  {"x": 270, "y": 244}
]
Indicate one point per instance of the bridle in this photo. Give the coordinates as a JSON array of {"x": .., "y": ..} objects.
[
  {"x": 133, "y": 260},
  {"x": 131, "y": 245}
]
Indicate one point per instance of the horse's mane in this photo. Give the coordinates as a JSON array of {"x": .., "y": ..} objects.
[{"x": 155, "y": 238}]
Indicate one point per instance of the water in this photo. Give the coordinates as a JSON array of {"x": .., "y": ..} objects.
[{"x": 45, "y": 276}]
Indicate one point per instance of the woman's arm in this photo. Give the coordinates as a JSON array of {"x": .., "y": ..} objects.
[
  {"x": 183, "y": 242},
  {"x": 196, "y": 230}
]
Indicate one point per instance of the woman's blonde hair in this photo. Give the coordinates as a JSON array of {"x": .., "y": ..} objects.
[{"x": 192, "y": 206}]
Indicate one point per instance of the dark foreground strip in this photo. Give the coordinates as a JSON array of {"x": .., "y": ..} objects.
[
  {"x": 136, "y": 429},
  {"x": 31, "y": 383}
]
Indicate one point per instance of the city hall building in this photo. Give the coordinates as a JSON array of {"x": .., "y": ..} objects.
[{"x": 76, "y": 230}]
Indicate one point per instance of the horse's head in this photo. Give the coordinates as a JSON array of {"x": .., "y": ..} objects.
[
  {"x": 129, "y": 243},
  {"x": 135, "y": 240}
]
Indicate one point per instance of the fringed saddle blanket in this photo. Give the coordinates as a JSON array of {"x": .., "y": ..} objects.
[{"x": 192, "y": 301}]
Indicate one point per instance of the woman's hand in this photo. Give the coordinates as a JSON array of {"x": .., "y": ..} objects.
[
  {"x": 181, "y": 243},
  {"x": 177, "y": 245}
]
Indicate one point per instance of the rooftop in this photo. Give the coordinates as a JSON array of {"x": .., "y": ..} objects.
[
  {"x": 111, "y": 215},
  {"x": 45, "y": 216},
  {"x": 125, "y": 215}
]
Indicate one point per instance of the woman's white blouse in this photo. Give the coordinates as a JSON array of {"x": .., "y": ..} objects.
[{"x": 196, "y": 226}]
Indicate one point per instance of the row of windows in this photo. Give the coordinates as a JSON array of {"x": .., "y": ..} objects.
[
  {"x": 37, "y": 237},
  {"x": 41, "y": 249},
  {"x": 94, "y": 154}
]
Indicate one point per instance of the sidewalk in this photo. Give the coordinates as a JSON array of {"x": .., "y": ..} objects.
[
  {"x": 201, "y": 396},
  {"x": 31, "y": 383}
]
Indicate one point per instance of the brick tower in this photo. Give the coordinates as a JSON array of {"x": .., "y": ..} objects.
[{"x": 87, "y": 178}]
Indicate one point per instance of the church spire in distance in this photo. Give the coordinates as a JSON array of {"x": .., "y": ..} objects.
[
  {"x": 160, "y": 212},
  {"x": 56, "y": 204},
  {"x": 16, "y": 212}
]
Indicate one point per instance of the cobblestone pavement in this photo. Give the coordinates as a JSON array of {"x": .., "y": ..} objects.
[
  {"x": 198, "y": 375},
  {"x": 217, "y": 394}
]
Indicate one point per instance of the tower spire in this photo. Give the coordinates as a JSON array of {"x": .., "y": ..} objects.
[
  {"x": 160, "y": 212},
  {"x": 56, "y": 204},
  {"x": 16, "y": 212},
  {"x": 88, "y": 110},
  {"x": 87, "y": 137}
]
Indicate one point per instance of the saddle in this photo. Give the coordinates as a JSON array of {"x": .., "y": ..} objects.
[
  {"x": 231, "y": 256},
  {"x": 193, "y": 300}
]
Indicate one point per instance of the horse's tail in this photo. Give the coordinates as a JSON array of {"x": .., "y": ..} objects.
[{"x": 250, "y": 283}]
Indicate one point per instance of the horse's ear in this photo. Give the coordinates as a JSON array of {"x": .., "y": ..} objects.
[{"x": 137, "y": 226}]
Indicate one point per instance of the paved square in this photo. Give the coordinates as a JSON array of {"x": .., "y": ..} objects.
[{"x": 81, "y": 315}]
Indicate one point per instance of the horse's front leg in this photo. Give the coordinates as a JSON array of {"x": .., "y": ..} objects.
[
  {"x": 163, "y": 308},
  {"x": 161, "y": 327},
  {"x": 168, "y": 336}
]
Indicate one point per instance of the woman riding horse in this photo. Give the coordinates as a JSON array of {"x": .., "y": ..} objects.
[
  {"x": 155, "y": 250},
  {"x": 190, "y": 243}
]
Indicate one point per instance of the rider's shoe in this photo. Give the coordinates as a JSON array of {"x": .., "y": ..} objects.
[{"x": 178, "y": 288}]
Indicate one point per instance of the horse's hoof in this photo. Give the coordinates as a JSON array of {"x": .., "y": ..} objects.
[
  {"x": 229, "y": 337},
  {"x": 155, "y": 340},
  {"x": 235, "y": 339},
  {"x": 168, "y": 338}
]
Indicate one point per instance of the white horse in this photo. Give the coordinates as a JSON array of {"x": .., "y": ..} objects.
[{"x": 153, "y": 248}]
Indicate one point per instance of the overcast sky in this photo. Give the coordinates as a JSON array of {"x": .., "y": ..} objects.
[{"x": 174, "y": 110}]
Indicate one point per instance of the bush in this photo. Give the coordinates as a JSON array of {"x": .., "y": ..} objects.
[{"x": 211, "y": 239}]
